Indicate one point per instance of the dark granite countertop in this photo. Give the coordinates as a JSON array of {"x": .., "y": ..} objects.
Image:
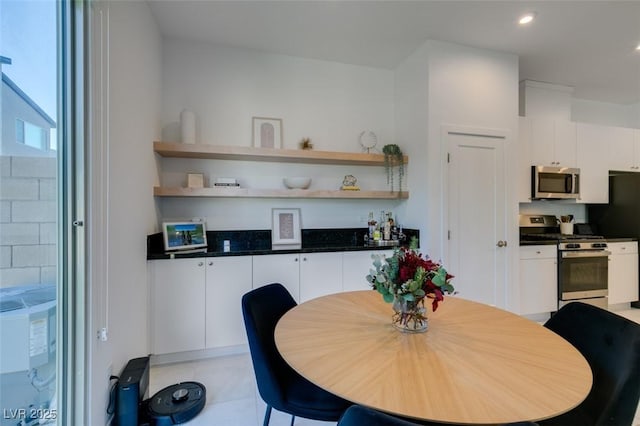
[{"x": 553, "y": 242}]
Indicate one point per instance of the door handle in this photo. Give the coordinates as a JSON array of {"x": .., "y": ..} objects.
[{"x": 501, "y": 243}]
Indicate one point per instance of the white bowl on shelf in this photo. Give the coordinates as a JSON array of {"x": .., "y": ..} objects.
[{"x": 297, "y": 182}]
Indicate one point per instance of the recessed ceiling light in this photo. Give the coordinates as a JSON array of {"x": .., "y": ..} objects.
[
  {"x": 638, "y": 47},
  {"x": 525, "y": 19}
]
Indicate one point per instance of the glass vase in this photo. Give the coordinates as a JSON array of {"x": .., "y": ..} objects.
[{"x": 409, "y": 316}]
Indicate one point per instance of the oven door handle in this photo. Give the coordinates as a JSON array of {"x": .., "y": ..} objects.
[{"x": 586, "y": 253}]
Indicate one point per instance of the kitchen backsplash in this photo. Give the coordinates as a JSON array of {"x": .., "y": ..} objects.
[{"x": 556, "y": 208}]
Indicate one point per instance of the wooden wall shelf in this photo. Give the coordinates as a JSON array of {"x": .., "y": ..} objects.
[
  {"x": 275, "y": 193},
  {"x": 221, "y": 152}
]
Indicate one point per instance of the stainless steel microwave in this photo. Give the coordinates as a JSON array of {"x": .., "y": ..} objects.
[{"x": 555, "y": 183}]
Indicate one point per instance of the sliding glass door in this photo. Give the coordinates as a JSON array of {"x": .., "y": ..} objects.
[{"x": 41, "y": 207}]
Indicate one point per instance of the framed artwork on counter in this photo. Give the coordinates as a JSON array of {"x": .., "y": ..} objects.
[{"x": 285, "y": 229}]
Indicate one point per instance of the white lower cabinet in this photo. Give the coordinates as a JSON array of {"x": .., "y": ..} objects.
[
  {"x": 196, "y": 303},
  {"x": 538, "y": 279},
  {"x": 177, "y": 305},
  {"x": 623, "y": 272},
  {"x": 305, "y": 275},
  {"x": 320, "y": 274},
  {"x": 356, "y": 266},
  {"x": 278, "y": 268},
  {"x": 227, "y": 279}
]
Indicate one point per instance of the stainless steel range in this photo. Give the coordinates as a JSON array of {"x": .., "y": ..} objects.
[{"x": 583, "y": 260}]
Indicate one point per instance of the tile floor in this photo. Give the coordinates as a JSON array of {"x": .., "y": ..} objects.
[{"x": 232, "y": 398}]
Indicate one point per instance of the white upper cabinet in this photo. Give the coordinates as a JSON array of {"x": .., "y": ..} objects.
[
  {"x": 543, "y": 142},
  {"x": 593, "y": 153},
  {"x": 551, "y": 142},
  {"x": 524, "y": 161},
  {"x": 624, "y": 152}
]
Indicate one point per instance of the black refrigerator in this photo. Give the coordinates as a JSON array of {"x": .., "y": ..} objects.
[{"x": 621, "y": 217}]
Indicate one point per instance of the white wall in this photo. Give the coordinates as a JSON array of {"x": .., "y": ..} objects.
[
  {"x": 448, "y": 84},
  {"x": 411, "y": 79},
  {"x": 123, "y": 171},
  {"x": 545, "y": 100},
  {"x": 472, "y": 88},
  {"x": 606, "y": 114},
  {"x": 329, "y": 102}
]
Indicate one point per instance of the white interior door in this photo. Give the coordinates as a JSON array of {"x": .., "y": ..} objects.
[{"x": 476, "y": 216}]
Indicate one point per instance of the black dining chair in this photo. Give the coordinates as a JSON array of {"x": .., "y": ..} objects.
[
  {"x": 611, "y": 345},
  {"x": 279, "y": 385},
  {"x": 357, "y": 415}
]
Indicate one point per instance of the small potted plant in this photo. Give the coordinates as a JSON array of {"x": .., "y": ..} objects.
[{"x": 393, "y": 158}]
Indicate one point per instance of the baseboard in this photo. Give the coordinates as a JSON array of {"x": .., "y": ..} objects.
[{"x": 198, "y": 355}]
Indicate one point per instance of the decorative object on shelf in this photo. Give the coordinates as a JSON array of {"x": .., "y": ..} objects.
[
  {"x": 188, "y": 126},
  {"x": 285, "y": 230},
  {"x": 305, "y": 143},
  {"x": 368, "y": 140},
  {"x": 267, "y": 132},
  {"x": 393, "y": 157},
  {"x": 349, "y": 183},
  {"x": 226, "y": 182},
  {"x": 405, "y": 279},
  {"x": 297, "y": 182},
  {"x": 195, "y": 180}
]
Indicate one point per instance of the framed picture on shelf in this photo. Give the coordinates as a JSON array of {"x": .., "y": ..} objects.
[
  {"x": 267, "y": 132},
  {"x": 285, "y": 230},
  {"x": 195, "y": 180}
]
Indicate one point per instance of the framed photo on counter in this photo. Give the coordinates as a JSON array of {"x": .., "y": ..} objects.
[{"x": 285, "y": 230}]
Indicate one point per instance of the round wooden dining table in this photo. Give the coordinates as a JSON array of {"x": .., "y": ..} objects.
[{"x": 476, "y": 364}]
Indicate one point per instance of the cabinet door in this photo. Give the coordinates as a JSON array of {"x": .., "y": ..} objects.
[
  {"x": 541, "y": 142},
  {"x": 623, "y": 272},
  {"x": 622, "y": 147},
  {"x": 636, "y": 149},
  {"x": 356, "y": 266},
  {"x": 594, "y": 171},
  {"x": 538, "y": 279},
  {"x": 524, "y": 161},
  {"x": 278, "y": 268},
  {"x": 320, "y": 274},
  {"x": 177, "y": 305},
  {"x": 552, "y": 142},
  {"x": 565, "y": 151},
  {"x": 228, "y": 279}
]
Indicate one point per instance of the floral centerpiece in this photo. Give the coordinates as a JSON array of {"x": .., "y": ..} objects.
[{"x": 406, "y": 279}]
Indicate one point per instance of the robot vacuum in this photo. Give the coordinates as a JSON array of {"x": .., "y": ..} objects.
[{"x": 176, "y": 404}]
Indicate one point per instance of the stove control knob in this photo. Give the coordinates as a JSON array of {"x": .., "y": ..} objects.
[{"x": 573, "y": 246}]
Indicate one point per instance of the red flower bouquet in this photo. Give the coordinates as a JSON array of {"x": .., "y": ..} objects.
[{"x": 405, "y": 279}]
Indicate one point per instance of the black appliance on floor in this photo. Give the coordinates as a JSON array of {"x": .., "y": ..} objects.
[
  {"x": 172, "y": 405},
  {"x": 621, "y": 217}
]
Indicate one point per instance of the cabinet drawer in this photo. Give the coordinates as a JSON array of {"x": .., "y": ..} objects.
[
  {"x": 538, "y": 252},
  {"x": 629, "y": 247}
]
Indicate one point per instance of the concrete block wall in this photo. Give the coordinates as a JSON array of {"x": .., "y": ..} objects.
[{"x": 28, "y": 213}]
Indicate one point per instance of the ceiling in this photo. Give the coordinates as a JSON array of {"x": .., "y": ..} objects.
[{"x": 589, "y": 45}]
